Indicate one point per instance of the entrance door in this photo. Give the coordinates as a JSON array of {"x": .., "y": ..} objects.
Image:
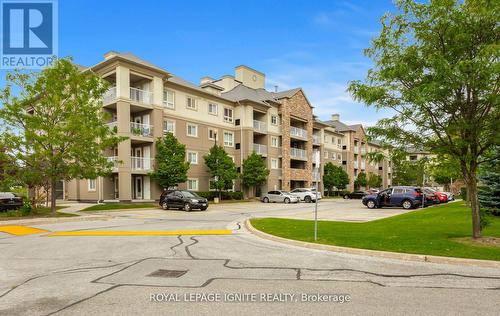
[{"x": 138, "y": 188}]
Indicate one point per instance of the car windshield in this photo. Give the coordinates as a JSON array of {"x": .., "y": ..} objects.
[{"x": 190, "y": 194}]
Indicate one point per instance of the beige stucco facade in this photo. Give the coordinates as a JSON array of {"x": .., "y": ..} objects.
[{"x": 146, "y": 101}]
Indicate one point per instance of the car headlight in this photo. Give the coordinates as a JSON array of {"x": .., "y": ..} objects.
[{"x": 194, "y": 201}]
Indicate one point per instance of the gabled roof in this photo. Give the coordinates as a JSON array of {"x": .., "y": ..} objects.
[
  {"x": 286, "y": 93},
  {"x": 244, "y": 93},
  {"x": 181, "y": 82},
  {"x": 133, "y": 59},
  {"x": 341, "y": 127}
]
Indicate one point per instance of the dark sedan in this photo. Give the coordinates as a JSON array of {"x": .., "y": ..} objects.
[
  {"x": 183, "y": 200},
  {"x": 355, "y": 195},
  {"x": 9, "y": 200}
]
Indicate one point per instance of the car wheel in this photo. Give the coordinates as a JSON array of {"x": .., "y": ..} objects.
[
  {"x": 307, "y": 199},
  {"x": 165, "y": 206},
  {"x": 265, "y": 200},
  {"x": 204, "y": 209},
  {"x": 286, "y": 200},
  {"x": 407, "y": 204},
  {"x": 370, "y": 204},
  {"x": 187, "y": 207},
  {"x": 346, "y": 197}
]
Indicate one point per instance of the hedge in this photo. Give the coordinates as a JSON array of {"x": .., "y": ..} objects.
[{"x": 225, "y": 195}]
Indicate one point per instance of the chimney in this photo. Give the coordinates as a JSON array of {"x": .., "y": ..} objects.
[{"x": 335, "y": 117}]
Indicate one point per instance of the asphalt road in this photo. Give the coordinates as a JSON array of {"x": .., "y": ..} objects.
[{"x": 224, "y": 274}]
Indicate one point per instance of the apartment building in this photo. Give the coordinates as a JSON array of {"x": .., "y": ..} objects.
[{"x": 235, "y": 111}]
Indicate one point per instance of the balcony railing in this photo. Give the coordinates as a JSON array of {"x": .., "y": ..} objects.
[
  {"x": 298, "y": 132},
  {"x": 260, "y": 149},
  {"x": 356, "y": 165},
  {"x": 298, "y": 153},
  {"x": 259, "y": 126},
  {"x": 388, "y": 169},
  {"x": 114, "y": 160},
  {"x": 316, "y": 139},
  {"x": 109, "y": 95},
  {"x": 141, "y": 96},
  {"x": 139, "y": 129},
  {"x": 140, "y": 163},
  {"x": 112, "y": 125},
  {"x": 363, "y": 151}
]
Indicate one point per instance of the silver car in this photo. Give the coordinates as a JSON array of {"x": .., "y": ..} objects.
[
  {"x": 306, "y": 194},
  {"x": 279, "y": 196}
]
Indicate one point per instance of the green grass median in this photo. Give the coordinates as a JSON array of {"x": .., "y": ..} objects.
[
  {"x": 119, "y": 206},
  {"x": 441, "y": 231}
]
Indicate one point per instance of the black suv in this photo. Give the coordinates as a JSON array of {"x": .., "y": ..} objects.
[{"x": 183, "y": 200}]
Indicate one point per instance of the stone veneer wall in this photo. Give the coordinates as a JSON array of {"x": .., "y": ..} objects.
[{"x": 297, "y": 106}]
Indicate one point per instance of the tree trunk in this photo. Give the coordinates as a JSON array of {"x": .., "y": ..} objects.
[
  {"x": 53, "y": 183},
  {"x": 471, "y": 182}
]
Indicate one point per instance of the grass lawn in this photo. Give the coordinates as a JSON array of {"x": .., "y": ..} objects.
[
  {"x": 438, "y": 231},
  {"x": 36, "y": 213},
  {"x": 119, "y": 206}
]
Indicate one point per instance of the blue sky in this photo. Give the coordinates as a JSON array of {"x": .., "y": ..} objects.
[{"x": 316, "y": 45}]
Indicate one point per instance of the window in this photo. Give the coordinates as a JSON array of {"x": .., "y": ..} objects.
[
  {"x": 326, "y": 155},
  {"x": 192, "y": 130},
  {"x": 228, "y": 139},
  {"x": 326, "y": 139},
  {"x": 274, "y": 120},
  {"x": 168, "y": 127},
  {"x": 212, "y": 108},
  {"x": 212, "y": 133},
  {"x": 228, "y": 115},
  {"x": 169, "y": 99},
  {"x": 191, "y": 103},
  {"x": 339, "y": 157},
  {"x": 275, "y": 141},
  {"x": 192, "y": 157},
  {"x": 274, "y": 163},
  {"x": 91, "y": 184},
  {"x": 192, "y": 184},
  {"x": 333, "y": 140}
]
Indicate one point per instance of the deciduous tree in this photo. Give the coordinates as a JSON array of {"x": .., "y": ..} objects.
[
  {"x": 254, "y": 171},
  {"x": 334, "y": 177},
  {"x": 222, "y": 169},
  {"x": 171, "y": 166}
]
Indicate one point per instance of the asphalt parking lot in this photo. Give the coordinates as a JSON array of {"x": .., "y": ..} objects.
[{"x": 115, "y": 262}]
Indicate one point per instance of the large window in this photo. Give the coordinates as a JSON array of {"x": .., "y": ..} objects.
[
  {"x": 228, "y": 115},
  {"x": 91, "y": 184},
  {"x": 191, "y": 103},
  {"x": 192, "y": 157},
  {"x": 228, "y": 139},
  {"x": 275, "y": 141},
  {"x": 192, "y": 184},
  {"x": 274, "y": 163},
  {"x": 192, "y": 130},
  {"x": 169, "y": 127},
  {"x": 169, "y": 99},
  {"x": 213, "y": 108},
  {"x": 274, "y": 120}
]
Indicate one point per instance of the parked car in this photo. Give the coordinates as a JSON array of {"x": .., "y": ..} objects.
[
  {"x": 442, "y": 197},
  {"x": 407, "y": 197},
  {"x": 373, "y": 191},
  {"x": 279, "y": 196},
  {"x": 306, "y": 194},
  {"x": 431, "y": 197},
  {"x": 10, "y": 200},
  {"x": 182, "y": 199},
  {"x": 355, "y": 195},
  {"x": 450, "y": 196}
]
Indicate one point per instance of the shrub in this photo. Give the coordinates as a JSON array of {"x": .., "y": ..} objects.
[
  {"x": 463, "y": 193},
  {"x": 26, "y": 209},
  {"x": 226, "y": 195}
]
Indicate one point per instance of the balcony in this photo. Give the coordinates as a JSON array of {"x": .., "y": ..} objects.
[
  {"x": 141, "y": 96},
  {"x": 298, "y": 132},
  {"x": 140, "y": 163},
  {"x": 259, "y": 126},
  {"x": 139, "y": 129},
  {"x": 109, "y": 96},
  {"x": 260, "y": 149},
  {"x": 114, "y": 160},
  {"x": 363, "y": 151},
  {"x": 355, "y": 165},
  {"x": 356, "y": 149},
  {"x": 316, "y": 139},
  {"x": 112, "y": 125},
  {"x": 388, "y": 169},
  {"x": 297, "y": 153}
]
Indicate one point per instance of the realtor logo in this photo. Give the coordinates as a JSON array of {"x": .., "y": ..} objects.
[{"x": 29, "y": 33}]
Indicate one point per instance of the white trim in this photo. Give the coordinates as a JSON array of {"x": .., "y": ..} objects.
[
  {"x": 277, "y": 120},
  {"x": 228, "y": 119},
  {"x": 216, "y": 108},
  {"x": 196, "y": 181},
  {"x": 195, "y": 101},
  {"x": 187, "y": 129},
  {"x": 277, "y": 163},
  {"x": 208, "y": 132},
  {"x": 91, "y": 188},
  {"x": 169, "y": 105},
  {"x": 224, "y": 139},
  {"x": 277, "y": 141},
  {"x": 169, "y": 121},
  {"x": 196, "y": 155}
]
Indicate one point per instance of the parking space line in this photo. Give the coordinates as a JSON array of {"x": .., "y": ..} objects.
[
  {"x": 21, "y": 230},
  {"x": 141, "y": 233}
]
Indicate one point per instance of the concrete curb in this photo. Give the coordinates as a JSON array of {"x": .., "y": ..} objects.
[
  {"x": 376, "y": 253},
  {"x": 53, "y": 220}
]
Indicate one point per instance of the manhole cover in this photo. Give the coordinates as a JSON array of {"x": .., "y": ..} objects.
[{"x": 167, "y": 273}]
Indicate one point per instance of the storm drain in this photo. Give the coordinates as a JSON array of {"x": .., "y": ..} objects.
[{"x": 167, "y": 273}]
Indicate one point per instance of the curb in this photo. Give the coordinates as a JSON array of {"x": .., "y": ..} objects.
[
  {"x": 52, "y": 220},
  {"x": 376, "y": 253}
]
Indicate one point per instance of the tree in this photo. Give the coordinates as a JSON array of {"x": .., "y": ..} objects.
[
  {"x": 222, "y": 169},
  {"x": 489, "y": 189},
  {"x": 374, "y": 180},
  {"x": 360, "y": 180},
  {"x": 444, "y": 169},
  {"x": 437, "y": 67},
  {"x": 334, "y": 177},
  {"x": 54, "y": 128},
  {"x": 254, "y": 171},
  {"x": 171, "y": 166}
]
